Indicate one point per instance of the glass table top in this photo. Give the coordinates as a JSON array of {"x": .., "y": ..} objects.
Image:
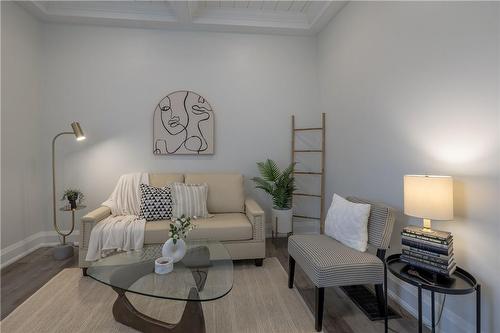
[{"x": 207, "y": 267}]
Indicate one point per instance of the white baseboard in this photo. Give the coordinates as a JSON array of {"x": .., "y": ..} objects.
[
  {"x": 450, "y": 321},
  {"x": 31, "y": 243}
]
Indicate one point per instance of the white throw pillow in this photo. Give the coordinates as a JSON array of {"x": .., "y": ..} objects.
[
  {"x": 347, "y": 222},
  {"x": 189, "y": 200}
]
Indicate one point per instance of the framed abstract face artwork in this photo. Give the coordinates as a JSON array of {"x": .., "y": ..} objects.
[{"x": 183, "y": 124}]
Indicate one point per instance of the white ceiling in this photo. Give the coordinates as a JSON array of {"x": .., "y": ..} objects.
[{"x": 284, "y": 17}]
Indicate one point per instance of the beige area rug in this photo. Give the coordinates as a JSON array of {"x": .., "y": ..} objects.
[{"x": 260, "y": 301}]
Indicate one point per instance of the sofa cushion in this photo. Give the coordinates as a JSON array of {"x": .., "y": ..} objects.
[
  {"x": 164, "y": 179},
  {"x": 220, "y": 227},
  {"x": 225, "y": 191}
]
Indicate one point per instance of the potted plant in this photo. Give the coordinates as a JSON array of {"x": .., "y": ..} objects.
[
  {"x": 280, "y": 185},
  {"x": 175, "y": 246},
  {"x": 73, "y": 195}
]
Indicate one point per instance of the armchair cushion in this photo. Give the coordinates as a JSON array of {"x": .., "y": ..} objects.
[{"x": 328, "y": 263}]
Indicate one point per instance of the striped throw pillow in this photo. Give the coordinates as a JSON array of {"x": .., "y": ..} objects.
[{"x": 189, "y": 200}]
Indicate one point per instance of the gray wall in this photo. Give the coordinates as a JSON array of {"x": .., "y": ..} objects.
[
  {"x": 110, "y": 80},
  {"x": 413, "y": 88},
  {"x": 22, "y": 197}
]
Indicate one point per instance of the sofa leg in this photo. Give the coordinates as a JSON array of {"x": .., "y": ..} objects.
[
  {"x": 318, "y": 308},
  {"x": 258, "y": 262},
  {"x": 291, "y": 271},
  {"x": 379, "y": 292},
  {"x": 84, "y": 271}
]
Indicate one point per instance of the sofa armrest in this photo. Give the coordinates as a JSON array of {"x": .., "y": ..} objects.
[
  {"x": 88, "y": 221},
  {"x": 256, "y": 216},
  {"x": 97, "y": 214}
]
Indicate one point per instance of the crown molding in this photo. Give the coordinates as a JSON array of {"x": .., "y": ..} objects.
[{"x": 289, "y": 17}]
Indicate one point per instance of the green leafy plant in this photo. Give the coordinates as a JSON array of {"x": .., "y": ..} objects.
[
  {"x": 180, "y": 228},
  {"x": 280, "y": 185},
  {"x": 73, "y": 195}
]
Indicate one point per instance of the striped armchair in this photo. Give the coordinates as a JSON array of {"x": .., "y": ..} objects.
[{"x": 329, "y": 263}]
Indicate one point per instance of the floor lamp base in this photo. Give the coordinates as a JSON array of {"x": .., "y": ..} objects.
[{"x": 62, "y": 252}]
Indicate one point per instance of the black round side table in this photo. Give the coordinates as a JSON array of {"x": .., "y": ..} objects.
[{"x": 460, "y": 282}]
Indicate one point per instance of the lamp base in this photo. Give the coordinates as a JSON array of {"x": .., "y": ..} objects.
[{"x": 63, "y": 251}]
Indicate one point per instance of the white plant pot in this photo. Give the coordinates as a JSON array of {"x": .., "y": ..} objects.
[
  {"x": 281, "y": 220},
  {"x": 175, "y": 251}
]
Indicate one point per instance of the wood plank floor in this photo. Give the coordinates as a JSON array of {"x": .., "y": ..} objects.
[{"x": 22, "y": 278}]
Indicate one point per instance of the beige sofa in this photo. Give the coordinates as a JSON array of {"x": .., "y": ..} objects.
[{"x": 237, "y": 222}]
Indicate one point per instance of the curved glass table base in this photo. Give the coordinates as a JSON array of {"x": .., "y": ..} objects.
[{"x": 204, "y": 274}]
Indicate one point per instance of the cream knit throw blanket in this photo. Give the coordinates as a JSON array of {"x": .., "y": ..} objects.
[{"x": 123, "y": 230}]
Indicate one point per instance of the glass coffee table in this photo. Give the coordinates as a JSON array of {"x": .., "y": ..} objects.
[{"x": 204, "y": 274}]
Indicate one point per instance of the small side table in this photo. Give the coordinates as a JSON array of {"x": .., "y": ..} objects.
[
  {"x": 63, "y": 251},
  {"x": 461, "y": 282}
]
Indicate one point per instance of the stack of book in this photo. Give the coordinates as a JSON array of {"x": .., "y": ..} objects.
[{"x": 429, "y": 250}]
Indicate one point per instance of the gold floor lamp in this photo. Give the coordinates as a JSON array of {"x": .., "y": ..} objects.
[{"x": 63, "y": 250}]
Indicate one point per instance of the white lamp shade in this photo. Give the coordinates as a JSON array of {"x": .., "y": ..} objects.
[{"x": 428, "y": 197}]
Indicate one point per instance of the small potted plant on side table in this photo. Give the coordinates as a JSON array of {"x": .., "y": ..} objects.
[
  {"x": 65, "y": 250},
  {"x": 280, "y": 185},
  {"x": 73, "y": 196}
]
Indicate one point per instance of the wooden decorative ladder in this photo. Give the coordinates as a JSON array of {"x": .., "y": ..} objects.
[{"x": 321, "y": 173}]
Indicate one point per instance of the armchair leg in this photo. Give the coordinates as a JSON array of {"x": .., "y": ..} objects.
[
  {"x": 379, "y": 292},
  {"x": 84, "y": 271},
  {"x": 318, "y": 308},
  {"x": 258, "y": 262},
  {"x": 291, "y": 271}
]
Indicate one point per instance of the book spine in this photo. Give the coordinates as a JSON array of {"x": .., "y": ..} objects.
[
  {"x": 428, "y": 262},
  {"x": 426, "y": 234},
  {"x": 422, "y": 241},
  {"x": 429, "y": 253},
  {"x": 437, "y": 259},
  {"x": 426, "y": 238},
  {"x": 429, "y": 267},
  {"x": 423, "y": 246},
  {"x": 445, "y": 237}
]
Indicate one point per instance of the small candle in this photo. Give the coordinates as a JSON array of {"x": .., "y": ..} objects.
[{"x": 164, "y": 265}]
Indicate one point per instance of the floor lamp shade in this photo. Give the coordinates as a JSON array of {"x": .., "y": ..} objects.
[
  {"x": 428, "y": 197},
  {"x": 77, "y": 129}
]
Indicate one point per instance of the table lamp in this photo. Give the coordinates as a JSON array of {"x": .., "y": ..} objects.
[
  {"x": 63, "y": 250},
  {"x": 428, "y": 197}
]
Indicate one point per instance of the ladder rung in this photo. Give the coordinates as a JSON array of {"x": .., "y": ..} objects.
[
  {"x": 308, "y": 129},
  {"x": 307, "y": 173},
  {"x": 307, "y": 217},
  {"x": 308, "y": 195},
  {"x": 308, "y": 151}
]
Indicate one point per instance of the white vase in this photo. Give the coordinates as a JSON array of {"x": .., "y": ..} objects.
[
  {"x": 175, "y": 251},
  {"x": 281, "y": 220}
]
